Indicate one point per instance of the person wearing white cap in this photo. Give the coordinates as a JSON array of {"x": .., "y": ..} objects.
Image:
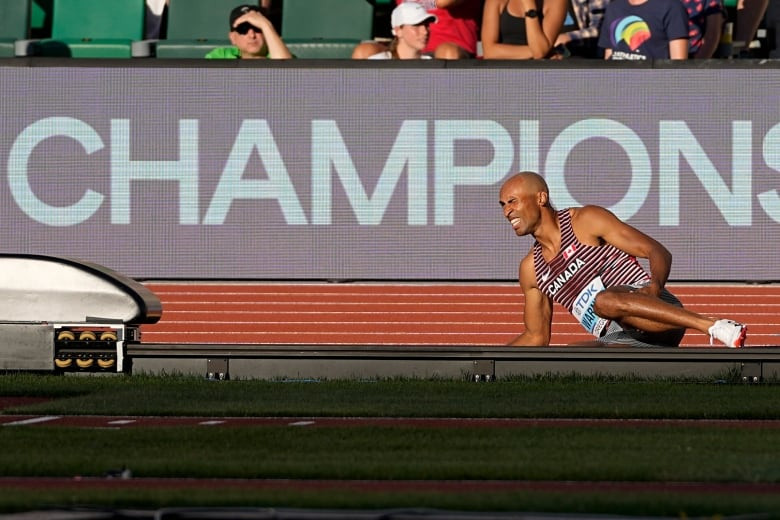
[{"x": 411, "y": 29}]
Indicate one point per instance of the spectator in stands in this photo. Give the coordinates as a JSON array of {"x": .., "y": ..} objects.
[
  {"x": 411, "y": 29},
  {"x": 772, "y": 22},
  {"x": 253, "y": 36},
  {"x": 456, "y": 34},
  {"x": 585, "y": 259},
  {"x": 273, "y": 11},
  {"x": 154, "y": 19},
  {"x": 582, "y": 41},
  {"x": 705, "y": 26},
  {"x": 748, "y": 18},
  {"x": 645, "y": 30},
  {"x": 453, "y": 36},
  {"x": 521, "y": 29}
]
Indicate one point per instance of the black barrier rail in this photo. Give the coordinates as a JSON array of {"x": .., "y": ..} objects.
[
  {"x": 480, "y": 363},
  {"x": 699, "y": 354}
]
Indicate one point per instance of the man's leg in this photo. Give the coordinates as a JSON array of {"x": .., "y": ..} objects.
[
  {"x": 749, "y": 16},
  {"x": 644, "y": 312},
  {"x": 450, "y": 51}
]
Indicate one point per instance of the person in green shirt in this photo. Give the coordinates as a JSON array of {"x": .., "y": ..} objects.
[{"x": 253, "y": 36}]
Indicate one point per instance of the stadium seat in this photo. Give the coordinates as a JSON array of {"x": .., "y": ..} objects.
[
  {"x": 326, "y": 28},
  {"x": 94, "y": 29},
  {"x": 195, "y": 27},
  {"x": 319, "y": 49},
  {"x": 327, "y": 20},
  {"x": 14, "y": 23}
]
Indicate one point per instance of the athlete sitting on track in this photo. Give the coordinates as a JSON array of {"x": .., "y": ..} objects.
[{"x": 586, "y": 260}]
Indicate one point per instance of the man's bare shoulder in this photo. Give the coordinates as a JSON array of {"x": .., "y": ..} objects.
[
  {"x": 528, "y": 258},
  {"x": 588, "y": 212},
  {"x": 592, "y": 223},
  {"x": 593, "y": 217},
  {"x": 527, "y": 271}
]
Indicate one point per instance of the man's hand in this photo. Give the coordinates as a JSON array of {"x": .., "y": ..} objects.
[
  {"x": 255, "y": 18},
  {"x": 562, "y": 39},
  {"x": 652, "y": 289}
]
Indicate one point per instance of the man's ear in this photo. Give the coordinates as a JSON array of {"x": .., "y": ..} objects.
[{"x": 543, "y": 197}]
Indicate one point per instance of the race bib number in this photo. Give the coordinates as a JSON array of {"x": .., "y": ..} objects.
[{"x": 583, "y": 307}]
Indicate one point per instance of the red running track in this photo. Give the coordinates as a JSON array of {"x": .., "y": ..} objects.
[{"x": 476, "y": 314}]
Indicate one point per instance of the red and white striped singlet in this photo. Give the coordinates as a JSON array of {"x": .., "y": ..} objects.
[{"x": 579, "y": 272}]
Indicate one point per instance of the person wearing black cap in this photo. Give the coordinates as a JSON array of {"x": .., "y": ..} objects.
[{"x": 253, "y": 36}]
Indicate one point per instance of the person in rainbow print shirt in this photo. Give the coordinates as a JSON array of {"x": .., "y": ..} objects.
[{"x": 645, "y": 30}]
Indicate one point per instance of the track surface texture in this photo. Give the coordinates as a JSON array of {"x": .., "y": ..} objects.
[{"x": 452, "y": 314}]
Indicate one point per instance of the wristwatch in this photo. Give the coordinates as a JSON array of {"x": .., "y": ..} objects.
[{"x": 531, "y": 13}]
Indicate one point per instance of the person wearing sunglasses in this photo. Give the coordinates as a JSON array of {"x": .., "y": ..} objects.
[{"x": 253, "y": 36}]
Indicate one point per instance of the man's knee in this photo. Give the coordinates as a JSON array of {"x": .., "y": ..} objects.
[
  {"x": 607, "y": 303},
  {"x": 450, "y": 51}
]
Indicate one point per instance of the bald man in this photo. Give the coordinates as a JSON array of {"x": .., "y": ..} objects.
[{"x": 586, "y": 260}]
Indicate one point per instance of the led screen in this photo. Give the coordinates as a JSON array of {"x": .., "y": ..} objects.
[{"x": 377, "y": 173}]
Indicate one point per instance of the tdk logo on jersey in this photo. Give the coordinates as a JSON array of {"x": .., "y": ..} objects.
[
  {"x": 565, "y": 276},
  {"x": 587, "y": 295},
  {"x": 583, "y": 307}
]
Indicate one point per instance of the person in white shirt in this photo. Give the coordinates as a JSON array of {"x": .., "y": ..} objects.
[{"x": 411, "y": 30}]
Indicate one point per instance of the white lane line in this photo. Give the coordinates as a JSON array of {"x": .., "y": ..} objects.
[
  {"x": 211, "y": 423},
  {"x": 122, "y": 421},
  {"x": 33, "y": 420},
  {"x": 301, "y": 423}
]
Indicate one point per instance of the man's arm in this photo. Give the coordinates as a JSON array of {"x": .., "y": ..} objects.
[
  {"x": 446, "y": 4},
  {"x": 593, "y": 224},
  {"x": 277, "y": 50},
  {"x": 711, "y": 36},
  {"x": 537, "y": 314},
  {"x": 441, "y": 4},
  {"x": 678, "y": 49}
]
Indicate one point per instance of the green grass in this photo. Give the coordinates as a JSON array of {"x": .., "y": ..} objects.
[
  {"x": 401, "y": 453},
  {"x": 522, "y": 397},
  {"x": 626, "y": 453}
]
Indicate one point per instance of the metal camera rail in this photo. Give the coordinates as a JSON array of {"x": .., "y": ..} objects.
[{"x": 478, "y": 363}]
